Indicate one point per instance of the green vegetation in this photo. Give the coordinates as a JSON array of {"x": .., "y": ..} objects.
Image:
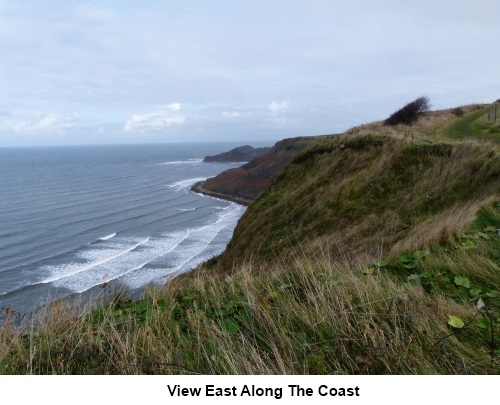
[
  {"x": 376, "y": 189},
  {"x": 373, "y": 252},
  {"x": 474, "y": 125}
]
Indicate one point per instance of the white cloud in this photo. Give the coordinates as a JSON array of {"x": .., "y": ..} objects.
[
  {"x": 36, "y": 122},
  {"x": 154, "y": 121},
  {"x": 278, "y": 107},
  {"x": 231, "y": 115},
  {"x": 46, "y": 122},
  {"x": 277, "y": 114},
  {"x": 174, "y": 106}
]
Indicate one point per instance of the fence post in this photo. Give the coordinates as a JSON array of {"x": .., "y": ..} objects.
[{"x": 492, "y": 114}]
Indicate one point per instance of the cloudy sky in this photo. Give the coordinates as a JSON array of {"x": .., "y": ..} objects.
[{"x": 119, "y": 71}]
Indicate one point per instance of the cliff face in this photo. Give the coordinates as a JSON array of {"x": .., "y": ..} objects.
[
  {"x": 247, "y": 182},
  {"x": 240, "y": 154}
]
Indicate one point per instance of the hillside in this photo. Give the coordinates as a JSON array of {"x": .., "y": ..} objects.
[
  {"x": 372, "y": 252},
  {"x": 245, "y": 183},
  {"x": 240, "y": 154},
  {"x": 378, "y": 189}
]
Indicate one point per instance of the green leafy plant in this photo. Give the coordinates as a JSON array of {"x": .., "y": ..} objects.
[
  {"x": 455, "y": 322},
  {"x": 462, "y": 281}
]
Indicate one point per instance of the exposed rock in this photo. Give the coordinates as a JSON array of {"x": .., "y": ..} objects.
[{"x": 247, "y": 182}]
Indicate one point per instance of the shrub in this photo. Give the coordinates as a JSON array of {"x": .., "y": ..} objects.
[
  {"x": 458, "y": 111},
  {"x": 410, "y": 113}
]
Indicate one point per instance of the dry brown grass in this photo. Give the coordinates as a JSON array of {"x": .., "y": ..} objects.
[
  {"x": 442, "y": 226},
  {"x": 432, "y": 124}
]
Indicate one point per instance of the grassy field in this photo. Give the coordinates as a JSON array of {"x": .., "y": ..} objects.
[{"x": 374, "y": 252}]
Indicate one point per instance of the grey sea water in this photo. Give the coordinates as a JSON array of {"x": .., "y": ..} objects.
[{"x": 80, "y": 220}]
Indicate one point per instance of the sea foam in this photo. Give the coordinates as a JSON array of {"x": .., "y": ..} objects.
[
  {"x": 183, "y": 162},
  {"x": 111, "y": 235},
  {"x": 148, "y": 261},
  {"x": 185, "y": 184}
]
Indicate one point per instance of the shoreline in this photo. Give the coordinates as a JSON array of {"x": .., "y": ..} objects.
[{"x": 198, "y": 188}]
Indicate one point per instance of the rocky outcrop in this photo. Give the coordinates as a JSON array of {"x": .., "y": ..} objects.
[
  {"x": 241, "y": 154},
  {"x": 247, "y": 182}
]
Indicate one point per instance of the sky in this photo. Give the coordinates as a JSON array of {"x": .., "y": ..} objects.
[{"x": 158, "y": 71}]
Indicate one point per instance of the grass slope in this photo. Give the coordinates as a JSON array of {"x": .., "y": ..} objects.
[
  {"x": 373, "y": 252},
  {"x": 377, "y": 189}
]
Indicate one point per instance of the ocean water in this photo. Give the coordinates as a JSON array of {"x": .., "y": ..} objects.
[{"x": 90, "y": 220}]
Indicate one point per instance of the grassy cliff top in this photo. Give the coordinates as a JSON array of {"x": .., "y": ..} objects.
[{"x": 379, "y": 189}]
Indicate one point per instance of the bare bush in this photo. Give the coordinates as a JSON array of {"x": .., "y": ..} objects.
[{"x": 410, "y": 113}]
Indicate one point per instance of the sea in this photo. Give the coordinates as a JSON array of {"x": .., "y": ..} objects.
[{"x": 86, "y": 221}]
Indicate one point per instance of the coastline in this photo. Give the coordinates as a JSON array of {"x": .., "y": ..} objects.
[{"x": 198, "y": 188}]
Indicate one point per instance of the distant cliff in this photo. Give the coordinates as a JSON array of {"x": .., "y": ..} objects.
[
  {"x": 247, "y": 182},
  {"x": 240, "y": 154}
]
